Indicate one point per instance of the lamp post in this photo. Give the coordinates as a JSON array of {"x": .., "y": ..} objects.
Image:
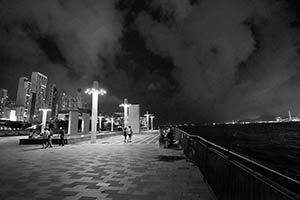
[
  {"x": 147, "y": 115},
  {"x": 151, "y": 119},
  {"x": 112, "y": 124},
  {"x": 44, "y": 118},
  {"x": 100, "y": 121},
  {"x": 126, "y": 105},
  {"x": 95, "y": 91}
]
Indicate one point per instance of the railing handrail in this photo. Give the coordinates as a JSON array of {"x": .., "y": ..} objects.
[{"x": 279, "y": 178}]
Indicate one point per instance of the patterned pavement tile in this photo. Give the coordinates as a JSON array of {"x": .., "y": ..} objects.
[{"x": 107, "y": 170}]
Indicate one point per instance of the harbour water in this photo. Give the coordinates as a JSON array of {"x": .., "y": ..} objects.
[{"x": 275, "y": 145}]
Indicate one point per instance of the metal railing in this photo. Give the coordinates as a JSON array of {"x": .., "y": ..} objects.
[{"x": 234, "y": 177}]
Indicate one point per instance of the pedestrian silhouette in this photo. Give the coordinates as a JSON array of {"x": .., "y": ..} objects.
[
  {"x": 49, "y": 137},
  {"x": 129, "y": 133},
  {"x": 125, "y": 133},
  {"x": 62, "y": 136},
  {"x": 45, "y": 136}
]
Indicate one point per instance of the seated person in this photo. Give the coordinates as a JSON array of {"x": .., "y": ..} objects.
[
  {"x": 34, "y": 135},
  {"x": 30, "y": 134}
]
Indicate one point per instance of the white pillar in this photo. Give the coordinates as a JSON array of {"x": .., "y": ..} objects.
[
  {"x": 126, "y": 115},
  {"x": 73, "y": 122},
  {"x": 94, "y": 112},
  {"x": 151, "y": 119},
  {"x": 290, "y": 116},
  {"x": 112, "y": 124},
  {"x": 126, "y": 106},
  {"x": 134, "y": 117},
  {"x": 44, "y": 118},
  {"x": 147, "y": 120},
  {"x": 95, "y": 91},
  {"x": 100, "y": 121},
  {"x": 85, "y": 123}
]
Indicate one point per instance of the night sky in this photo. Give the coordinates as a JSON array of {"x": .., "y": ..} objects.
[{"x": 182, "y": 60}]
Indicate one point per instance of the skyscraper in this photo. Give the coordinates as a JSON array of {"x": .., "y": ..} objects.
[
  {"x": 23, "y": 99},
  {"x": 3, "y": 100},
  {"x": 38, "y": 88},
  {"x": 52, "y": 99}
]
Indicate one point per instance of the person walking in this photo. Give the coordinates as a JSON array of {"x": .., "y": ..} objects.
[
  {"x": 49, "y": 138},
  {"x": 62, "y": 136},
  {"x": 45, "y": 136},
  {"x": 125, "y": 134},
  {"x": 129, "y": 133}
]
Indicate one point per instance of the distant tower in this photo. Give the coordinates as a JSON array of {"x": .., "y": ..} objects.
[
  {"x": 79, "y": 98},
  {"x": 23, "y": 99},
  {"x": 52, "y": 99},
  {"x": 3, "y": 96},
  {"x": 38, "y": 88}
]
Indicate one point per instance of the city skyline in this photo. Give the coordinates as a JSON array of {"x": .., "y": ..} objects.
[
  {"x": 34, "y": 94},
  {"x": 59, "y": 103}
]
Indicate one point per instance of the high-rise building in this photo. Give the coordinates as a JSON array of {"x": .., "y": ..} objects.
[
  {"x": 63, "y": 102},
  {"x": 67, "y": 102},
  {"x": 3, "y": 101},
  {"x": 38, "y": 88},
  {"x": 23, "y": 99},
  {"x": 79, "y": 98},
  {"x": 52, "y": 99},
  {"x": 72, "y": 103}
]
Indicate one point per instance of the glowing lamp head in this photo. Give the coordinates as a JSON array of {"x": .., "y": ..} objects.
[
  {"x": 44, "y": 109},
  {"x": 102, "y": 92},
  {"x": 95, "y": 91}
]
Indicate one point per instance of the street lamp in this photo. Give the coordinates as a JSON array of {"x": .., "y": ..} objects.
[
  {"x": 126, "y": 105},
  {"x": 95, "y": 91},
  {"x": 147, "y": 115},
  {"x": 44, "y": 118},
  {"x": 151, "y": 119}
]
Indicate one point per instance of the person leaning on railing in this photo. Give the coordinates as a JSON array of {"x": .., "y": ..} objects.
[{"x": 166, "y": 137}]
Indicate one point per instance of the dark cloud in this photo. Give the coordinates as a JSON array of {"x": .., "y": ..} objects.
[
  {"x": 70, "y": 41},
  {"x": 184, "y": 60},
  {"x": 51, "y": 50}
]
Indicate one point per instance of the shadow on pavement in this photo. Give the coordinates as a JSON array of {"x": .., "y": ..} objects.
[{"x": 169, "y": 158}]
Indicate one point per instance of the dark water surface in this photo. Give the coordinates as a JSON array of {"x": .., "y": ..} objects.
[{"x": 275, "y": 145}]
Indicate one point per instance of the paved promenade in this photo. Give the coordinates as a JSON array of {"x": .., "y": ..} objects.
[{"x": 107, "y": 170}]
